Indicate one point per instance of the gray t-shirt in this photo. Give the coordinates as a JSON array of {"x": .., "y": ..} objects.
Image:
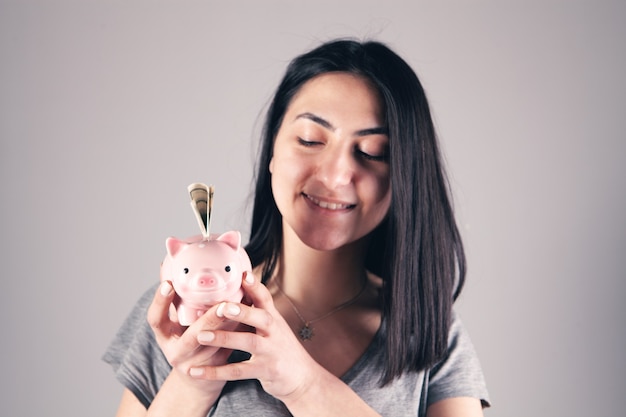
[{"x": 141, "y": 367}]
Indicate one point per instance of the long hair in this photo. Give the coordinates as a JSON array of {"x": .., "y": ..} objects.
[{"x": 417, "y": 249}]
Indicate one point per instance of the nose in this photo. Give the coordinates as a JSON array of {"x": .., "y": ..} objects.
[{"x": 337, "y": 167}]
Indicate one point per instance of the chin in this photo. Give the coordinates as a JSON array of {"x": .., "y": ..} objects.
[
  {"x": 325, "y": 241},
  {"x": 323, "y": 246}
]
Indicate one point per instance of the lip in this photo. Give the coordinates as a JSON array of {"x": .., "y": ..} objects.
[{"x": 328, "y": 204}]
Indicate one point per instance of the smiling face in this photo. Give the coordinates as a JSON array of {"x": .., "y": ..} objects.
[{"x": 330, "y": 169}]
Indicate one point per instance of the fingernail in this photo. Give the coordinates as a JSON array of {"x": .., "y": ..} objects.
[
  {"x": 166, "y": 289},
  {"x": 233, "y": 309},
  {"x": 196, "y": 372},
  {"x": 220, "y": 310},
  {"x": 249, "y": 278},
  {"x": 206, "y": 337}
]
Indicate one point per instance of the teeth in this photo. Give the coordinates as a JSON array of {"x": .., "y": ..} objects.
[{"x": 329, "y": 206}]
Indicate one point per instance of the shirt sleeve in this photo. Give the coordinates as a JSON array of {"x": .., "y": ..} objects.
[
  {"x": 134, "y": 355},
  {"x": 459, "y": 373}
]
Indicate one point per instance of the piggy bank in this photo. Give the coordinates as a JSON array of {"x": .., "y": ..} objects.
[{"x": 204, "y": 271}]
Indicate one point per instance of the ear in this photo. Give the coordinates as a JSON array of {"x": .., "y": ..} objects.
[
  {"x": 232, "y": 239},
  {"x": 271, "y": 166},
  {"x": 174, "y": 245}
]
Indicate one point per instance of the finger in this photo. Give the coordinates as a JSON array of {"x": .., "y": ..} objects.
[
  {"x": 221, "y": 356},
  {"x": 187, "y": 346},
  {"x": 256, "y": 292},
  {"x": 230, "y": 372},
  {"x": 210, "y": 320},
  {"x": 158, "y": 312},
  {"x": 258, "y": 318},
  {"x": 244, "y": 341}
]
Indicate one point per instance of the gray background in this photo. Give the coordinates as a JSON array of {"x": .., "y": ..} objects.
[{"x": 109, "y": 109}]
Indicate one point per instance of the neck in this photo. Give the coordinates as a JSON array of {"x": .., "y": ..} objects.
[{"x": 318, "y": 281}]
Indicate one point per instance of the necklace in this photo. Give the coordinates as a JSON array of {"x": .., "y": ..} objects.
[{"x": 306, "y": 331}]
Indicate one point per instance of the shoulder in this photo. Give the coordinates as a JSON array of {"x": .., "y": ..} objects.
[
  {"x": 134, "y": 355},
  {"x": 458, "y": 373}
]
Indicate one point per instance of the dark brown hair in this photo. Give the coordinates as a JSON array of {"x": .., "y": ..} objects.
[{"x": 417, "y": 250}]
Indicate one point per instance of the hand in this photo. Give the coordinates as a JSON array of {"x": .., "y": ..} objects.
[
  {"x": 278, "y": 360},
  {"x": 180, "y": 344}
]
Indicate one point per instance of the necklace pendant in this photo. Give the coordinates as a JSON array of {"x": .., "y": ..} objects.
[{"x": 306, "y": 332}]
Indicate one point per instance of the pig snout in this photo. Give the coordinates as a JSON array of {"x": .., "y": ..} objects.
[{"x": 208, "y": 281}]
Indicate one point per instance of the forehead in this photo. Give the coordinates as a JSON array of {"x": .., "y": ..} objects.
[{"x": 339, "y": 93}]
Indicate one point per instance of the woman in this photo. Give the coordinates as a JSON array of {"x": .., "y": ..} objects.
[{"x": 357, "y": 262}]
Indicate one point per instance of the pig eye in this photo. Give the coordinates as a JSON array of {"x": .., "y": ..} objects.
[
  {"x": 227, "y": 269},
  {"x": 186, "y": 270}
]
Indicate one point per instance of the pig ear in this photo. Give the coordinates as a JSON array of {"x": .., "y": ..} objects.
[
  {"x": 174, "y": 245},
  {"x": 232, "y": 239}
]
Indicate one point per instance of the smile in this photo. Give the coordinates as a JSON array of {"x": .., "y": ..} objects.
[{"x": 327, "y": 204}]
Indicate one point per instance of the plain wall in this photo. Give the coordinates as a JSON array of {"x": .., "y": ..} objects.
[{"x": 108, "y": 110}]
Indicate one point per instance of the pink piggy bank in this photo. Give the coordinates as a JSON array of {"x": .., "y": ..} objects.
[{"x": 204, "y": 272}]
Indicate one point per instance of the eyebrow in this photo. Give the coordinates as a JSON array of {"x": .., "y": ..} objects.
[{"x": 327, "y": 125}]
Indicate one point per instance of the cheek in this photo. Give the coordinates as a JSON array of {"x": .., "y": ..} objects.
[
  {"x": 380, "y": 197},
  {"x": 285, "y": 172},
  {"x": 382, "y": 186},
  {"x": 387, "y": 201},
  {"x": 380, "y": 207},
  {"x": 278, "y": 187},
  {"x": 385, "y": 189}
]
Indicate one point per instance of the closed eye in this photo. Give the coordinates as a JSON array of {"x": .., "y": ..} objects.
[
  {"x": 370, "y": 157},
  {"x": 308, "y": 143}
]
